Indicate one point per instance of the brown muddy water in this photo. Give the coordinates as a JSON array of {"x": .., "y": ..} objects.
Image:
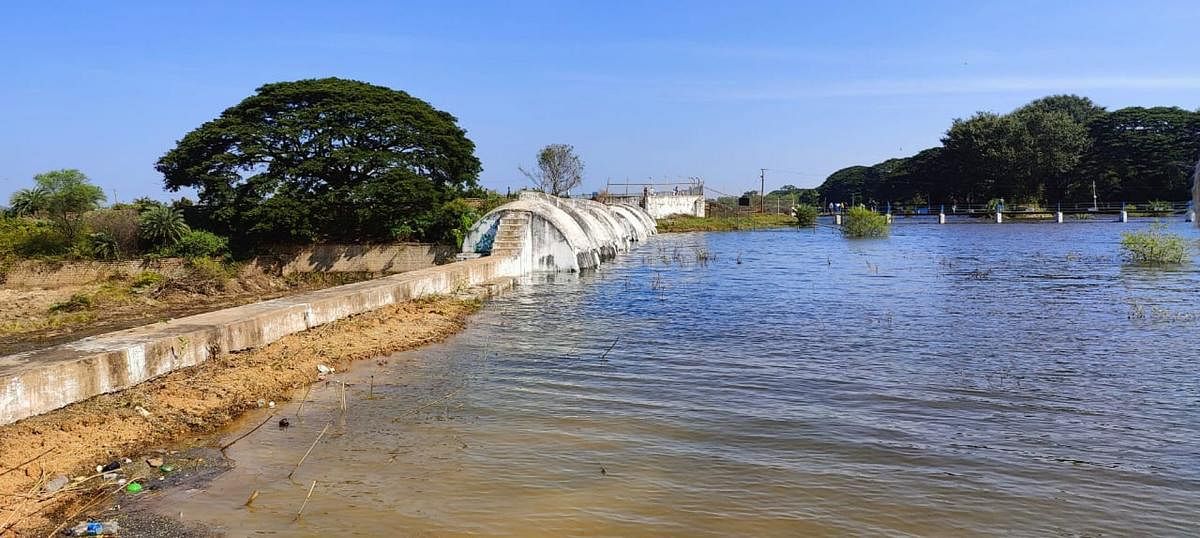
[{"x": 958, "y": 380}]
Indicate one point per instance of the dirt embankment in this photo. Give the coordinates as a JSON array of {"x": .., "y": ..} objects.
[
  {"x": 38, "y": 318},
  {"x": 71, "y": 441}
]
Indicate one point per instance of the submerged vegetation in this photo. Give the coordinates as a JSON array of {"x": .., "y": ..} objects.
[
  {"x": 685, "y": 223},
  {"x": 862, "y": 222},
  {"x": 1154, "y": 246},
  {"x": 806, "y": 215}
]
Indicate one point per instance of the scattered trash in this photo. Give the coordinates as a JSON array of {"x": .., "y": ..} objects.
[
  {"x": 166, "y": 467},
  {"x": 603, "y": 471},
  {"x": 126, "y": 460},
  {"x": 262, "y": 403},
  {"x": 154, "y": 462},
  {"x": 271, "y": 404},
  {"x": 112, "y": 466},
  {"x": 121, "y": 482},
  {"x": 321, "y": 368},
  {"x": 251, "y": 499},
  {"x": 57, "y": 483},
  {"x": 133, "y": 487},
  {"x": 283, "y": 423},
  {"x": 142, "y": 411},
  {"x": 94, "y": 528},
  {"x": 109, "y": 476}
]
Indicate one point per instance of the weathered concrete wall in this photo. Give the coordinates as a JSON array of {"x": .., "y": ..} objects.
[
  {"x": 388, "y": 258},
  {"x": 42, "y": 274},
  {"x": 39, "y": 381},
  {"x": 664, "y": 205}
]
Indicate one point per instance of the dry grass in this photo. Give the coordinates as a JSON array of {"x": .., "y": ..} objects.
[{"x": 722, "y": 224}]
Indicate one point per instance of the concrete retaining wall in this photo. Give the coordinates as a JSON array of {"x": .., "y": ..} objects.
[
  {"x": 664, "y": 205},
  {"x": 40, "y": 381},
  {"x": 389, "y": 258}
]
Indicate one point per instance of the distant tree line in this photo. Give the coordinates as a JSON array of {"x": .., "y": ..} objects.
[{"x": 1048, "y": 151}]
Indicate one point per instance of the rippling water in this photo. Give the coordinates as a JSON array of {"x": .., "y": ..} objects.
[{"x": 949, "y": 380}]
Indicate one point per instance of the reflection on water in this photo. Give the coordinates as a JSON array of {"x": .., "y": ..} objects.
[{"x": 950, "y": 380}]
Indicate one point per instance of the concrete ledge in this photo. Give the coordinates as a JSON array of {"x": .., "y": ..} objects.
[{"x": 39, "y": 381}]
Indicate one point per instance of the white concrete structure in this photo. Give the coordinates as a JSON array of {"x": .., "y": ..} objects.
[{"x": 548, "y": 233}]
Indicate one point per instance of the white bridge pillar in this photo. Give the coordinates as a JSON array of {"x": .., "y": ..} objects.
[
  {"x": 1058, "y": 217},
  {"x": 999, "y": 217}
]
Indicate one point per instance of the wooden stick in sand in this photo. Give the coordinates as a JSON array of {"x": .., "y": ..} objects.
[
  {"x": 306, "y": 498},
  {"x": 304, "y": 399},
  {"x": 243, "y": 436},
  {"x": 306, "y": 453},
  {"x": 30, "y": 460}
]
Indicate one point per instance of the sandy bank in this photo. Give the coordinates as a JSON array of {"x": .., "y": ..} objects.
[{"x": 187, "y": 403}]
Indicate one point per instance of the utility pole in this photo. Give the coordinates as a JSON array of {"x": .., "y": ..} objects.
[{"x": 762, "y": 192}]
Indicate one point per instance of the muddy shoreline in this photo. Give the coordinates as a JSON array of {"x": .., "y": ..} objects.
[{"x": 188, "y": 408}]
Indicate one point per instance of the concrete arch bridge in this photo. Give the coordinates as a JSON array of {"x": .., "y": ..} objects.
[{"x": 539, "y": 232}]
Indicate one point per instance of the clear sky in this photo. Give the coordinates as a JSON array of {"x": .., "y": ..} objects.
[{"x": 641, "y": 89}]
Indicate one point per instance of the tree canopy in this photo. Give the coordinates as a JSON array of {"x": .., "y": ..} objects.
[
  {"x": 326, "y": 159},
  {"x": 63, "y": 196},
  {"x": 559, "y": 169},
  {"x": 1047, "y": 151}
]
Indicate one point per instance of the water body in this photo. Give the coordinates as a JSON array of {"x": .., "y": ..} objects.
[{"x": 954, "y": 380}]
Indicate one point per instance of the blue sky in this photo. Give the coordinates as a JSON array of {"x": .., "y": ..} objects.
[{"x": 642, "y": 90}]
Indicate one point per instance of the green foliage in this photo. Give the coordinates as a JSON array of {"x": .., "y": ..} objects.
[
  {"x": 457, "y": 217},
  {"x": 146, "y": 280},
  {"x": 26, "y": 202},
  {"x": 326, "y": 159},
  {"x": 806, "y": 215},
  {"x": 61, "y": 195},
  {"x": 77, "y": 302},
  {"x": 161, "y": 225},
  {"x": 199, "y": 244},
  {"x": 1160, "y": 206},
  {"x": 122, "y": 225},
  {"x": 862, "y": 222},
  {"x": 102, "y": 246},
  {"x": 25, "y": 238},
  {"x": 1154, "y": 246},
  {"x": 1142, "y": 153},
  {"x": 688, "y": 223},
  {"x": 1049, "y": 150}
]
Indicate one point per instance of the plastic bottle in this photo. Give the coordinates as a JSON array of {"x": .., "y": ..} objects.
[{"x": 95, "y": 528}]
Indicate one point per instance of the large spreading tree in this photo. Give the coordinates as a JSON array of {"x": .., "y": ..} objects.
[{"x": 327, "y": 159}]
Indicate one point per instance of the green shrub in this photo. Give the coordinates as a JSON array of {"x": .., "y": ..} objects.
[
  {"x": 806, "y": 215},
  {"x": 1159, "y": 206},
  {"x": 27, "y": 237},
  {"x": 862, "y": 222},
  {"x": 200, "y": 244},
  {"x": 1154, "y": 246},
  {"x": 102, "y": 246},
  {"x": 119, "y": 224},
  {"x": 147, "y": 280},
  {"x": 75, "y": 303},
  {"x": 161, "y": 225}
]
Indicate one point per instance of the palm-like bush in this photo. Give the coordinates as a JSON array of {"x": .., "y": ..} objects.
[
  {"x": 103, "y": 246},
  {"x": 161, "y": 225},
  {"x": 26, "y": 202}
]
